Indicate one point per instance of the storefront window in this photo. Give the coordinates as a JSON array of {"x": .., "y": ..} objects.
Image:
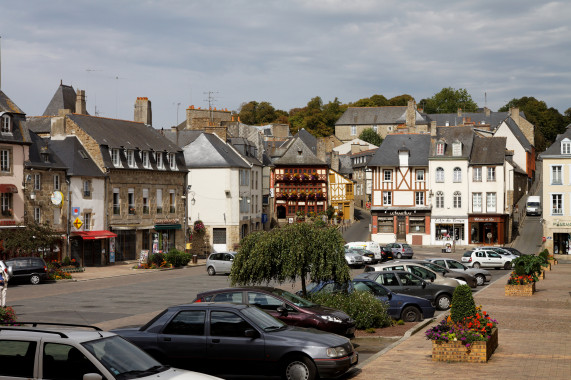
[
  {"x": 385, "y": 224},
  {"x": 445, "y": 232},
  {"x": 417, "y": 224}
]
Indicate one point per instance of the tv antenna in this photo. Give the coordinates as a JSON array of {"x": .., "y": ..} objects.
[
  {"x": 210, "y": 101},
  {"x": 95, "y": 112}
]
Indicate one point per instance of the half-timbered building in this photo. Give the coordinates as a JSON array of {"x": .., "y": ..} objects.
[{"x": 341, "y": 195}]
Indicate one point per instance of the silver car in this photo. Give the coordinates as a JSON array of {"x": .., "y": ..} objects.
[
  {"x": 353, "y": 259},
  {"x": 482, "y": 276},
  {"x": 220, "y": 262},
  {"x": 401, "y": 250}
]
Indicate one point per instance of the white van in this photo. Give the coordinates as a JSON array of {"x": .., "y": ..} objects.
[
  {"x": 533, "y": 205},
  {"x": 369, "y": 246}
]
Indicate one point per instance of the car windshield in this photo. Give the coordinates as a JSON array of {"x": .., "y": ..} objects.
[
  {"x": 455, "y": 265},
  {"x": 406, "y": 246},
  {"x": 296, "y": 300},
  {"x": 123, "y": 359},
  {"x": 434, "y": 267},
  {"x": 262, "y": 319}
]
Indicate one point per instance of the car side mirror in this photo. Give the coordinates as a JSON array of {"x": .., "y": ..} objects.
[
  {"x": 423, "y": 284},
  {"x": 389, "y": 295},
  {"x": 282, "y": 310},
  {"x": 432, "y": 280},
  {"x": 251, "y": 333}
]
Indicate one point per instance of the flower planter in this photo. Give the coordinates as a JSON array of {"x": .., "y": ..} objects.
[
  {"x": 548, "y": 267},
  {"x": 72, "y": 269},
  {"x": 520, "y": 290},
  {"x": 478, "y": 352}
]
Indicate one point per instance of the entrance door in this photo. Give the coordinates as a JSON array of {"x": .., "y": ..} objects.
[
  {"x": 281, "y": 212},
  {"x": 401, "y": 227}
]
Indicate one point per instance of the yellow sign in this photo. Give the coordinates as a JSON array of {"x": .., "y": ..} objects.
[{"x": 77, "y": 223}]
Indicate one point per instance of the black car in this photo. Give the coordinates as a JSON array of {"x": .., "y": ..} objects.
[
  {"x": 407, "y": 283},
  {"x": 27, "y": 269},
  {"x": 386, "y": 253},
  {"x": 285, "y": 306},
  {"x": 233, "y": 339}
]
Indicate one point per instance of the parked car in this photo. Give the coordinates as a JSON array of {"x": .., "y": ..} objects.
[
  {"x": 462, "y": 276},
  {"x": 285, "y": 306},
  {"x": 400, "y": 306},
  {"x": 481, "y": 275},
  {"x": 500, "y": 251},
  {"x": 482, "y": 258},
  {"x": 60, "y": 351},
  {"x": 366, "y": 245},
  {"x": 404, "y": 282},
  {"x": 401, "y": 250},
  {"x": 353, "y": 259},
  {"x": 233, "y": 339},
  {"x": 516, "y": 252},
  {"x": 368, "y": 256},
  {"x": 219, "y": 262},
  {"x": 420, "y": 270},
  {"x": 27, "y": 269}
]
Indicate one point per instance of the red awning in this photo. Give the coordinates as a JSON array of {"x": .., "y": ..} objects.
[
  {"x": 92, "y": 235},
  {"x": 8, "y": 188}
]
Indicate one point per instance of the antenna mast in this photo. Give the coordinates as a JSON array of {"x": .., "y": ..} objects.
[{"x": 210, "y": 100}]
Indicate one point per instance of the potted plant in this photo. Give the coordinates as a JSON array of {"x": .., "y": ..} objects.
[{"x": 524, "y": 276}]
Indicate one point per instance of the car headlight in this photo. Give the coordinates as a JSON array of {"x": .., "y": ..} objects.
[
  {"x": 462, "y": 282},
  {"x": 336, "y": 352},
  {"x": 331, "y": 318}
]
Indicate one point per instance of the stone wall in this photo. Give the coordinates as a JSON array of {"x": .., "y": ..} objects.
[{"x": 198, "y": 119}]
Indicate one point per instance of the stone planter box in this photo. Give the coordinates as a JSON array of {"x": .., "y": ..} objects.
[
  {"x": 72, "y": 269},
  {"x": 541, "y": 275},
  {"x": 520, "y": 290},
  {"x": 479, "y": 352}
]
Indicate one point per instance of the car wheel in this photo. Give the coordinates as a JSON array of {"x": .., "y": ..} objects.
[
  {"x": 480, "y": 279},
  {"x": 399, "y": 256},
  {"x": 35, "y": 279},
  {"x": 211, "y": 271},
  {"x": 476, "y": 265},
  {"x": 508, "y": 265},
  {"x": 443, "y": 302},
  {"x": 299, "y": 368},
  {"x": 410, "y": 314}
]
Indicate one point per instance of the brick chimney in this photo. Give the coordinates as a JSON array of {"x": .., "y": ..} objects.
[
  {"x": 433, "y": 128},
  {"x": 143, "y": 112},
  {"x": 80, "y": 102},
  {"x": 487, "y": 111},
  {"x": 411, "y": 115},
  {"x": 335, "y": 160}
]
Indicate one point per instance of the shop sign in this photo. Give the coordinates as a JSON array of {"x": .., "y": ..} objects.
[
  {"x": 167, "y": 221},
  {"x": 561, "y": 224},
  {"x": 449, "y": 221},
  {"x": 485, "y": 219},
  {"x": 7, "y": 222},
  {"x": 400, "y": 212}
]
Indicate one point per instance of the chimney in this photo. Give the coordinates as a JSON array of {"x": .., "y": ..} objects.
[
  {"x": 514, "y": 114},
  {"x": 320, "y": 149},
  {"x": 459, "y": 112},
  {"x": 410, "y": 114},
  {"x": 143, "y": 112},
  {"x": 355, "y": 148},
  {"x": 487, "y": 111},
  {"x": 335, "y": 161},
  {"x": 433, "y": 128},
  {"x": 80, "y": 102}
]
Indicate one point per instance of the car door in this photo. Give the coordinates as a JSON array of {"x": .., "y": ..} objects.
[
  {"x": 226, "y": 263},
  {"x": 229, "y": 350},
  {"x": 270, "y": 304},
  {"x": 380, "y": 293},
  {"x": 183, "y": 339},
  {"x": 442, "y": 263},
  {"x": 482, "y": 258},
  {"x": 495, "y": 259},
  {"x": 414, "y": 286},
  {"x": 389, "y": 281}
]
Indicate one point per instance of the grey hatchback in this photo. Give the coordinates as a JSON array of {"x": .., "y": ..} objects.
[
  {"x": 401, "y": 250},
  {"x": 219, "y": 262}
]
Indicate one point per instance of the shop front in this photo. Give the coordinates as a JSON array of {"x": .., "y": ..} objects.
[
  {"x": 412, "y": 226},
  {"x": 91, "y": 248},
  {"x": 449, "y": 231},
  {"x": 165, "y": 236},
  {"x": 488, "y": 229},
  {"x": 561, "y": 242}
]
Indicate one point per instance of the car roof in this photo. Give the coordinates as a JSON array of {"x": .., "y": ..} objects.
[
  {"x": 268, "y": 289},
  {"x": 73, "y": 334},
  {"x": 198, "y": 305}
]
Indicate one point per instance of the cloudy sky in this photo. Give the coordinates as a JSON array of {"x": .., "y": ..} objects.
[{"x": 282, "y": 51}]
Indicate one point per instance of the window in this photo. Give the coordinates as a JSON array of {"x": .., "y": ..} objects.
[
  {"x": 440, "y": 149},
  {"x": 37, "y": 181},
  {"x": 439, "y": 199},
  {"x": 490, "y": 202},
  {"x": 457, "y": 201},
  {"x": 556, "y": 204},
  {"x": 387, "y": 175},
  {"x": 187, "y": 323},
  {"x": 116, "y": 202},
  {"x": 159, "y": 201},
  {"x": 387, "y": 198},
  {"x": 417, "y": 224},
  {"x": 353, "y": 130},
  {"x": 145, "y": 159},
  {"x": 172, "y": 161},
  {"x": 477, "y": 174},
  {"x": 131, "y": 158},
  {"x": 566, "y": 146},
  {"x": 145, "y": 201},
  {"x": 419, "y": 198},
  {"x": 172, "y": 202},
  {"x": 556, "y": 175},
  {"x": 5, "y": 161},
  {"x": 224, "y": 323},
  {"x": 457, "y": 175},
  {"x": 457, "y": 149},
  {"x": 160, "y": 163},
  {"x": 244, "y": 177},
  {"x": 6, "y": 200},
  {"x": 264, "y": 301},
  {"x": 439, "y": 175},
  {"x": 87, "y": 221},
  {"x": 38, "y": 215},
  {"x": 219, "y": 236},
  {"x": 14, "y": 351},
  {"x": 420, "y": 175},
  {"x": 385, "y": 224},
  {"x": 6, "y": 124},
  {"x": 477, "y": 202},
  {"x": 491, "y": 174},
  {"x": 115, "y": 157},
  {"x": 131, "y": 201},
  {"x": 86, "y": 188},
  {"x": 56, "y": 182},
  {"x": 349, "y": 188}
]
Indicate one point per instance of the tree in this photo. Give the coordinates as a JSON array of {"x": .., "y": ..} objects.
[
  {"x": 30, "y": 240},
  {"x": 255, "y": 113},
  {"x": 448, "y": 100},
  {"x": 370, "y": 136},
  {"x": 316, "y": 118},
  {"x": 401, "y": 100},
  {"x": 294, "y": 252}
]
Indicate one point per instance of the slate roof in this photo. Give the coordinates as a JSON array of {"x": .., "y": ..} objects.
[
  {"x": 7, "y": 105},
  {"x": 518, "y": 134},
  {"x": 246, "y": 148},
  {"x": 554, "y": 150},
  {"x": 345, "y": 166},
  {"x": 387, "y": 154},
  {"x": 39, "y": 146},
  {"x": 376, "y": 115},
  {"x": 368, "y": 154},
  {"x": 78, "y": 161},
  {"x": 64, "y": 98},
  {"x": 20, "y": 133},
  {"x": 478, "y": 118},
  {"x": 209, "y": 151},
  {"x": 183, "y": 137},
  {"x": 298, "y": 154},
  {"x": 449, "y": 135},
  {"x": 39, "y": 124},
  {"x": 488, "y": 150}
]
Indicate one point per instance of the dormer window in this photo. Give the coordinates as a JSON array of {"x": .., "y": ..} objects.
[
  {"x": 172, "y": 161},
  {"x": 131, "y": 158},
  {"x": 6, "y": 123},
  {"x": 566, "y": 146},
  {"x": 160, "y": 164},
  {"x": 440, "y": 148},
  {"x": 115, "y": 157},
  {"x": 145, "y": 159},
  {"x": 457, "y": 149},
  {"x": 45, "y": 157}
]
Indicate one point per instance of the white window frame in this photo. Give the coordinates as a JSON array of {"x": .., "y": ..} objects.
[
  {"x": 172, "y": 161},
  {"x": 115, "y": 158},
  {"x": 491, "y": 174},
  {"x": 146, "y": 206},
  {"x": 477, "y": 174},
  {"x": 160, "y": 163},
  {"x": 37, "y": 181},
  {"x": 116, "y": 201},
  {"x": 6, "y": 124},
  {"x": 131, "y": 201},
  {"x": 560, "y": 200},
  {"x": 457, "y": 199},
  {"x": 390, "y": 175},
  {"x": 145, "y": 159},
  {"x": 439, "y": 199},
  {"x": 420, "y": 175},
  {"x": 419, "y": 198},
  {"x": 87, "y": 221},
  {"x": 457, "y": 174},
  {"x": 491, "y": 202},
  {"x": 477, "y": 202},
  {"x": 439, "y": 176},
  {"x": 56, "y": 182},
  {"x": 86, "y": 188},
  {"x": 5, "y": 161},
  {"x": 38, "y": 215},
  {"x": 457, "y": 149},
  {"x": 353, "y": 130},
  {"x": 556, "y": 175},
  {"x": 439, "y": 148},
  {"x": 387, "y": 198},
  {"x": 565, "y": 146},
  {"x": 131, "y": 158}
]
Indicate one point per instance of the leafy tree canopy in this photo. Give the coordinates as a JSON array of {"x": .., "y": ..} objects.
[
  {"x": 317, "y": 118},
  {"x": 255, "y": 113},
  {"x": 401, "y": 100},
  {"x": 30, "y": 239},
  {"x": 448, "y": 100},
  {"x": 370, "y": 136},
  {"x": 294, "y": 252}
]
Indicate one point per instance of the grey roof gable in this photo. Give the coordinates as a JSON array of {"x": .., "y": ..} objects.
[
  {"x": 554, "y": 150},
  {"x": 376, "y": 115},
  {"x": 209, "y": 151},
  {"x": 39, "y": 147},
  {"x": 76, "y": 157},
  {"x": 488, "y": 150},
  {"x": 518, "y": 133},
  {"x": 64, "y": 98},
  {"x": 450, "y": 135},
  {"x": 388, "y": 153},
  {"x": 298, "y": 154}
]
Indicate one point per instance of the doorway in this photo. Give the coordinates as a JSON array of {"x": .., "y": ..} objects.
[{"x": 401, "y": 227}]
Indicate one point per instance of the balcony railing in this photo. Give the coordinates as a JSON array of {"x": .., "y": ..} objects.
[{"x": 303, "y": 177}]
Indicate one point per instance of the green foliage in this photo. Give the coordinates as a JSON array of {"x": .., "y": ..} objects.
[
  {"x": 463, "y": 304},
  {"x": 448, "y": 100},
  {"x": 255, "y": 113},
  {"x": 373, "y": 101},
  {"x": 29, "y": 239},
  {"x": 7, "y": 315},
  {"x": 290, "y": 253},
  {"x": 400, "y": 322},
  {"x": 177, "y": 258},
  {"x": 401, "y": 100},
  {"x": 544, "y": 256},
  {"x": 528, "y": 264},
  {"x": 156, "y": 258},
  {"x": 330, "y": 212},
  {"x": 316, "y": 118},
  {"x": 370, "y": 136},
  {"x": 363, "y": 307}
]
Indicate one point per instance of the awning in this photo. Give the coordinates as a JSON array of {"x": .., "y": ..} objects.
[
  {"x": 92, "y": 235},
  {"x": 8, "y": 188},
  {"x": 159, "y": 227}
]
